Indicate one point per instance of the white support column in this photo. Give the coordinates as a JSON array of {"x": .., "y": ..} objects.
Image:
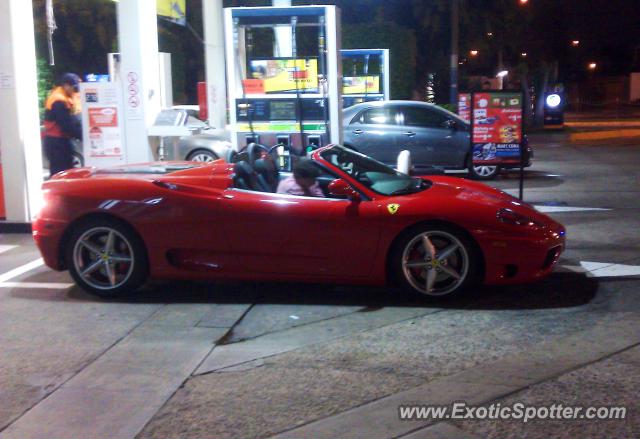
[
  {"x": 139, "y": 74},
  {"x": 212, "y": 13},
  {"x": 19, "y": 121},
  {"x": 166, "y": 80},
  {"x": 334, "y": 64},
  {"x": 386, "y": 73},
  {"x": 283, "y": 44}
]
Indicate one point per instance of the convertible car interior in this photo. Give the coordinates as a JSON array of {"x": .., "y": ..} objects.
[{"x": 256, "y": 169}]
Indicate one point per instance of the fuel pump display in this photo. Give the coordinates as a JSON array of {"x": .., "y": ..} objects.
[
  {"x": 365, "y": 75},
  {"x": 284, "y": 78}
]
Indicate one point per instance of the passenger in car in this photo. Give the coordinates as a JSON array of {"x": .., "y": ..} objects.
[{"x": 303, "y": 181}]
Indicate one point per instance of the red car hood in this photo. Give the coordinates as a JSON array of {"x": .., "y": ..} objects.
[{"x": 478, "y": 197}]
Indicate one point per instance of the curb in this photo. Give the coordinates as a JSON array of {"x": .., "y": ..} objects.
[{"x": 609, "y": 134}]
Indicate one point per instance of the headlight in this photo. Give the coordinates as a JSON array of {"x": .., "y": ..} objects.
[{"x": 508, "y": 216}]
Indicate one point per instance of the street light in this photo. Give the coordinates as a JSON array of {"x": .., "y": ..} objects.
[
  {"x": 501, "y": 75},
  {"x": 473, "y": 52},
  {"x": 523, "y": 54},
  {"x": 575, "y": 43},
  {"x": 524, "y": 2},
  {"x": 592, "y": 66}
]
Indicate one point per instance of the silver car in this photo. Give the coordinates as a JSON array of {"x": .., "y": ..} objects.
[
  {"x": 435, "y": 137},
  {"x": 204, "y": 145}
]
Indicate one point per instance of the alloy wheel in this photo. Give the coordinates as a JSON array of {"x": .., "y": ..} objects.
[
  {"x": 202, "y": 157},
  {"x": 104, "y": 258},
  {"x": 435, "y": 263},
  {"x": 485, "y": 171}
]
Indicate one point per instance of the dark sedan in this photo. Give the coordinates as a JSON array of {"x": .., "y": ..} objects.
[{"x": 434, "y": 136}]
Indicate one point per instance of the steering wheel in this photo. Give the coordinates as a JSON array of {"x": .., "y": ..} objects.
[{"x": 255, "y": 151}]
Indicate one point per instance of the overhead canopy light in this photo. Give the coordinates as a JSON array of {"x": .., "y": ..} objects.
[{"x": 553, "y": 100}]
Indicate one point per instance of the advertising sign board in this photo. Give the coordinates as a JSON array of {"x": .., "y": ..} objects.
[
  {"x": 496, "y": 127},
  {"x": 464, "y": 106},
  {"x": 102, "y": 135},
  {"x": 286, "y": 75},
  {"x": 172, "y": 10},
  {"x": 360, "y": 84}
]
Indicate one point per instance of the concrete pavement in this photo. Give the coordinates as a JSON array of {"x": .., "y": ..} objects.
[{"x": 191, "y": 360}]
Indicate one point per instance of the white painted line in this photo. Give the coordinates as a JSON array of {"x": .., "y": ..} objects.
[
  {"x": 21, "y": 270},
  {"x": 4, "y": 248},
  {"x": 554, "y": 209},
  {"x": 45, "y": 285},
  {"x": 603, "y": 269},
  {"x": 599, "y": 269}
]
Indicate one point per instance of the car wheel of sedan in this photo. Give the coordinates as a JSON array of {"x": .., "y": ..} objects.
[
  {"x": 202, "y": 155},
  {"x": 106, "y": 258},
  {"x": 483, "y": 172},
  {"x": 435, "y": 261}
]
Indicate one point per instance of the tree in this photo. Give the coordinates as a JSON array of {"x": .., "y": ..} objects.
[
  {"x": 87, "y": 31},
  {"x": 401, "y": 43}
]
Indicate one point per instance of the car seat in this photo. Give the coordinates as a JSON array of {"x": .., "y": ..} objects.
[
  {"x": 244, "y": 176},
  {"x": 267, "y": 174}
]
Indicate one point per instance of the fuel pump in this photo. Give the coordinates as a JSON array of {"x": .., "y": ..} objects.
[
  {"x": 366, "y": 75},
  {"x": 286, "y": 95}
]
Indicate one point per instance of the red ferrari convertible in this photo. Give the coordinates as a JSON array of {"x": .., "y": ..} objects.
[{"x": 115, "y": 228}]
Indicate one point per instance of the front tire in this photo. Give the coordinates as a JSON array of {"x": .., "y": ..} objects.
[
  {"x": 435, "y": 261},
  {"x": 202, "y": 155},
  {"x": 106, "y": 258}
]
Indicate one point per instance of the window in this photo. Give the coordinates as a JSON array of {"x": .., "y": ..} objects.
[
  {"x": 424, "y": 117},
  {"x": 378, "y": 116}
]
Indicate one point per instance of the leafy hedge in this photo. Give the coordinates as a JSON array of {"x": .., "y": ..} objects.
[{"x": 401, "y": 43}]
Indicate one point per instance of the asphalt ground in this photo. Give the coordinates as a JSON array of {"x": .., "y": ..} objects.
[{"x": 191, "y": 360}]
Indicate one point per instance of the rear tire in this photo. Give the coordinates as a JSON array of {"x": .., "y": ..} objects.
[
  {"x": 106, "y": 257},
  {"x": 483, "y": 172},
  {"x": 435, "y": 261}
]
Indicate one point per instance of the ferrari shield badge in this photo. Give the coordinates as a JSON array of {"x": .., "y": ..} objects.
[{"x": 393, "y": 208}]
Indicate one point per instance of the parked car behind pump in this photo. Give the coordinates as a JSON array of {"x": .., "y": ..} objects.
[
  {"x": 434, "y": 136},
  {"x": 205, "y": 145}
]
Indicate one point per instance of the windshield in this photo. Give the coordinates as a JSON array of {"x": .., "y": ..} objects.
[{"x": 373, "y": 174}]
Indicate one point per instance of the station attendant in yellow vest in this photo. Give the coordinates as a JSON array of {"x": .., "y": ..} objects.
[{"x": 61, "y": 123}]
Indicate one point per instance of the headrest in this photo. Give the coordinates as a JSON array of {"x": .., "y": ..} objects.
[
  {"x": 243, "y": 169},
  {"x": 264, "y": 166}
]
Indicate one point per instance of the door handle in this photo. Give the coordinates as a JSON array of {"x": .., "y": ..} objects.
[
  {"x": 409, "y": 134},
  {"x": 358, "y": 132}
]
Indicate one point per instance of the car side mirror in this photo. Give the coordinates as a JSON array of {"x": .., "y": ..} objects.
[
  {"x": 341, "y": 188},
  {"x": 450, "y": 124}
]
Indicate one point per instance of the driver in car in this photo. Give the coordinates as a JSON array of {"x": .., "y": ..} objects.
[{"x": 303, "y": 181}]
